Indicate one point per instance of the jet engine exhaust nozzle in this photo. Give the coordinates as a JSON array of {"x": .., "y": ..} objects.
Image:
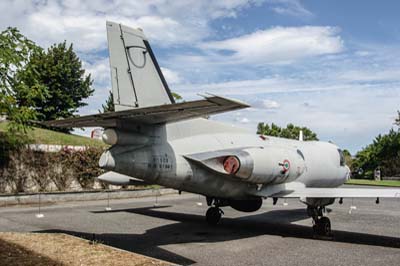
[{"x": 113, "y": 136}]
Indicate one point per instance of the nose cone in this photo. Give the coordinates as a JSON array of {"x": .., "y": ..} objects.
[{"x": 107, "y": 161}]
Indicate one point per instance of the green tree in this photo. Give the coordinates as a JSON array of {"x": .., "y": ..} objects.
[
  {"x": 108, "y": 106},
  {"x": 348, "y": 158},
  {"x": 86, "y": 166},
  {"x": 15, "y": 53},
  {"x": 290, "y": 131},
  {"x": 177, "y": 97},
  {"x": 397, "y": 121},
  {"x": 383, "y": 152},
  {"x": 60, "y": 70}
]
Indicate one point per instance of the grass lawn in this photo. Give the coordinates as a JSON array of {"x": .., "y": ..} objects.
[
  {"x": 385, "y": 183},
  {"x": 45, "y": 136},
  {"x": 28, "y": 249}
]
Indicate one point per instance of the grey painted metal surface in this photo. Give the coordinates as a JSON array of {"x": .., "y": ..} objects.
[
  {"x": 132, "y": 67},
  {"x": 153, "y": 115}
]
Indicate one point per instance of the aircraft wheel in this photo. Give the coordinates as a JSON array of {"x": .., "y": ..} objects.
[
  {"x": 322, "y": 227},
  {"x": 213, "y": 215},
  {"x": 325, "y": 226}
]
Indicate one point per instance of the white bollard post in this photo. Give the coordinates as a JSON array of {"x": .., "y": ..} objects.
[
  {"x": 156, "y": 202},
  {"x": 108, "y": 208},
  {"x": 199, "y": 203},
  {"x": 39, "y": 214}
]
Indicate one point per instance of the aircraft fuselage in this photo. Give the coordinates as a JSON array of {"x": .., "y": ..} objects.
[{"x": 195, "y": 163}]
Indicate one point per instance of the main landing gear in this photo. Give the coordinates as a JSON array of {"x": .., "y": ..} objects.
[
  {"x": 214, "y": 213},
  {"x": 322, "y": 224}
]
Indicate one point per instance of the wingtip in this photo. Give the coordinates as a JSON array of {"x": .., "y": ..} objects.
[{"x": 239, "y": 102}]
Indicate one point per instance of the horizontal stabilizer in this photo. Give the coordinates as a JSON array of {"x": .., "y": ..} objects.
[{"x": 154, "y": 114}]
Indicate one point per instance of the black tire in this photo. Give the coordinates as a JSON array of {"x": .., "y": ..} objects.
[
  {"x": 213, "y": 215},
  {"x": 325, "y": 226}
]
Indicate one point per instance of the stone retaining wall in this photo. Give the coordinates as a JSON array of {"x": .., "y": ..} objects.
[{"x": 6, "y": 200}]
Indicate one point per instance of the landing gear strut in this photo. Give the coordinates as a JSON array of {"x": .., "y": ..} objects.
[{"x": 322, "y": 224}]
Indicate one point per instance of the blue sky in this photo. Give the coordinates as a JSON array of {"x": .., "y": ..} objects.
[{"x": 330, "y": 65}]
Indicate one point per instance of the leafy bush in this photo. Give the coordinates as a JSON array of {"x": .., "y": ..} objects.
[
  {"x": 27, "y": 168},
  {"x": 61, "y": 172},
  {"x": 383, "y": 152},
  {"x": 85, "y": 166},
  {"x": 38, "y": 165},
  {"x": 290, "y": 132},
  {"x": 16, "y": 174}
]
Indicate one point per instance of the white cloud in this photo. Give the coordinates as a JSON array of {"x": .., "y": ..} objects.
[
  {"x": 253, "y": 87},
  {"x": 171, "y": 76},
  {"x": 290, "y": 7},
  {"x": 369, "y": 75},
  {"x": 266, "y": 104},
  {"x": 83, "y": 22},
  {"x": 100, "y": 71},
  {"x": 280, "y": 44},
  {"x": 362, "y": 53},
  {"x": 242, "y": 120}
]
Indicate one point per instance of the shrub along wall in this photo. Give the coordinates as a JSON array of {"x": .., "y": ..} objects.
[{"x": 26, "y": 170}]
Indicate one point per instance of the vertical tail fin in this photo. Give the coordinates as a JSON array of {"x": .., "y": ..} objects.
[{"x": 137, "y": 80}]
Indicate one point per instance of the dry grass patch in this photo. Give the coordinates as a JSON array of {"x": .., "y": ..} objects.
[{"x": 22, "y": 249}]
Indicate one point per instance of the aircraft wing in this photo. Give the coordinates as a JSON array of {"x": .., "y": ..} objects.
[
  {"x": 154, "y": 114},
  {"x": 330, "y": 193}
]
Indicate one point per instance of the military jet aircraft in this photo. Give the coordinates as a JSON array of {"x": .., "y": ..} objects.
[{"x": 156, "y": 140}]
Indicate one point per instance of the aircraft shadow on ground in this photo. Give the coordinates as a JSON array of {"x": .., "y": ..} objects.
[{"x": 192, "y": 228}]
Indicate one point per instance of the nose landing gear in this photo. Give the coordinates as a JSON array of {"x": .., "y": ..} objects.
[{"x": 214, "y": 213}]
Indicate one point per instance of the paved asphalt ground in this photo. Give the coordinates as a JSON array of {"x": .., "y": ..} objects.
[{"x": 176, "y": 231}]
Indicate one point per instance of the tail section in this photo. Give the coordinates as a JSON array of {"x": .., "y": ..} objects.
[
  {"x": 137, "y": 80},
  {"x": 141, "y": 94}
]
